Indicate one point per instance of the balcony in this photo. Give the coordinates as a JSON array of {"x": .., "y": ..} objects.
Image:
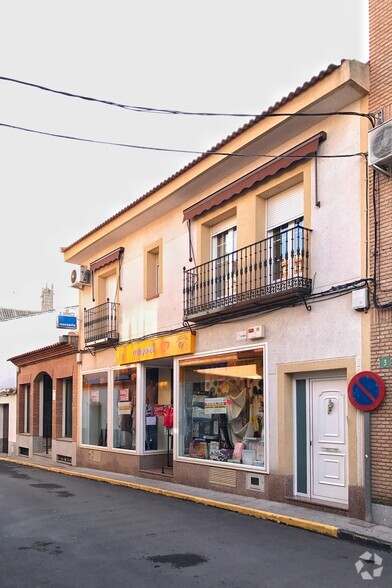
[
  {"x": 266, "y": 273},
  {"x": 100, "y": 324}
]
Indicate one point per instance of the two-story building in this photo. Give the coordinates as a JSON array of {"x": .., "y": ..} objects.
[{"x": 235, "y": 293}]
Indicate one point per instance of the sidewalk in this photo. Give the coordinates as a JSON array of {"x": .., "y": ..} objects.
[{"x": 342, "y": 527}]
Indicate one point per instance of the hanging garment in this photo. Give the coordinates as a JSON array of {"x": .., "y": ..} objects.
[{"x": 168, "y": 417}]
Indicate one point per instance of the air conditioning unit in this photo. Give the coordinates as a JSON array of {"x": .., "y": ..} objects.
[
  {"x": 80, "y": 278},
  {"x": 380, "y": 147}
]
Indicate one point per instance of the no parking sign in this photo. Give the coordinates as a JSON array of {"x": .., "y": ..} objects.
[{"x": 366, "y": 391}]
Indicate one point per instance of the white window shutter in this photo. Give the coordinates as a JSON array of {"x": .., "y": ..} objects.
[{"x": 285, "y": 206}]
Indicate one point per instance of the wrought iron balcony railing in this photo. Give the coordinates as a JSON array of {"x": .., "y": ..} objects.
[
  {"x": 273, "y": 269},
  {"x": 100, "y": 324}
]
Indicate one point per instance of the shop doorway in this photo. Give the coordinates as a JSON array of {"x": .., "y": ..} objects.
[
  {"x": 158, "y": 417},
  {"x": 321, "y": 439}
]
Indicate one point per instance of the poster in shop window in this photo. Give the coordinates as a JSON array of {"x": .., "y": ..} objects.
[
  {"x": 124, "y": 408},
  {"x": 215, "y": 405},
  {"x": 124, "y": 394}
]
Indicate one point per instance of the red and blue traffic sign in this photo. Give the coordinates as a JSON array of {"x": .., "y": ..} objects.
[{"x": 366, "y": 391}]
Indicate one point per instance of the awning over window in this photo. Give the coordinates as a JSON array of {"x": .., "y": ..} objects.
[
  {"x": 106, "y": 259},
  {"x": 256, "y": 176}
]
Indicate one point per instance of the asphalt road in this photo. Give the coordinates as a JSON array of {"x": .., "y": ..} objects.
[{"x": 60, "y": 531}]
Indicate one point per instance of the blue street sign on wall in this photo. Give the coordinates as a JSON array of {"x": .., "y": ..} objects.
[
  {"x": 66, "y": 321},
  {"x": 366, "y": 391}
]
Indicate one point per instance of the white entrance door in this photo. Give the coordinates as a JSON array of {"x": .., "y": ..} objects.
[{"x": 329, "y": 459}]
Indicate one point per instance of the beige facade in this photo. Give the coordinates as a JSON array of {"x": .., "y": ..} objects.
[{"x": 260, "y": 256}]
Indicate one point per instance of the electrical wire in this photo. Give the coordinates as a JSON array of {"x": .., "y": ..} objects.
[
  {"x": 173, "y": 150},
  {"x": 330, "y": 294},
  {"x": 151, "y": 110},
  {"x": 376, "y": 254}
]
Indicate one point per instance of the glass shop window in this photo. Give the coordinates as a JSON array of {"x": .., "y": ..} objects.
[
  {"x": 94, "y": 409},
  {"x": 124, "y": 408},
  {"x": 222, "y": 408}
]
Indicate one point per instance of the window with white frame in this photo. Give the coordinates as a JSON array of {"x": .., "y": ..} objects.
[
  {"x": 224, "y": 255},
  {"x": 94, "y": 409},
  {"x": 222, "y": 408},
  {"x": 124, "y": 408}
]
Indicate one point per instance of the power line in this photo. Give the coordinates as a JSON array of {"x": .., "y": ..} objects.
[
  {"x": 151, "y": 110},
  {"x": 172, "y": 150}
]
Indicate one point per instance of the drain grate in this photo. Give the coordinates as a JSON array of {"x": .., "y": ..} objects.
[{"x": 64, "y": 459}]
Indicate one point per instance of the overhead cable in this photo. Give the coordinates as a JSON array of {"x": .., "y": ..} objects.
[
  {"x": 151, "y": 110},
  {"x": 172, "y": 150}
]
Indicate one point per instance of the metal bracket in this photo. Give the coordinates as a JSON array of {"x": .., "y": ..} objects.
[
  {"x": 307, "y": 306},
  {"x": 385, "y": 171},
  {"x": 188, "y": 326},
  {"x": 90, "y": 350}
]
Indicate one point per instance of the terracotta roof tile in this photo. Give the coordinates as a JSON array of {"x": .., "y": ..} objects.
[{"x": 43, "y": 353}]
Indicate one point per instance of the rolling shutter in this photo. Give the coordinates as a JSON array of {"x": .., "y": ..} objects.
[{"x": 285, "y": 206}]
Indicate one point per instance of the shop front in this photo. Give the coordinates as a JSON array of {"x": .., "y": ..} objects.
[
  {"x": 221, "y": 409},
  {"x": 127, "y": 410}
]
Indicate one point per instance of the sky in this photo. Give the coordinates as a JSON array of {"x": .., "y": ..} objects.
[{"x": 204, "y": 55}]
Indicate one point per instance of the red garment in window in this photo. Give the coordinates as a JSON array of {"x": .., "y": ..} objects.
[{"x": 168, "y": 417}]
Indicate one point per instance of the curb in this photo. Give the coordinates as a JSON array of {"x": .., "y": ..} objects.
[
  {"x": 305, "y": 524},
  {"x": 365, "y": 540}
]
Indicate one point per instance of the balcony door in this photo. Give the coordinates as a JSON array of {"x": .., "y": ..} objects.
[
  {"x": 224, "y": 255},
  {"x": 284, "y": 251},
  {"x": 111, "y": 288}
]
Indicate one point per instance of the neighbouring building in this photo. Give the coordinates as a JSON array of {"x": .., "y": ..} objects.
[
  {"x": 7, "y": 420},
  {"x": 223, "y": 313},
  {"x": 380, "y": 103},
  {"x": 46, "y": 402},
  {"x": 24, "y": 329}
]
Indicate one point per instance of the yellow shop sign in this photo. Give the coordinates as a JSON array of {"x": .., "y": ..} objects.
[{"x": 170, "y": 346}]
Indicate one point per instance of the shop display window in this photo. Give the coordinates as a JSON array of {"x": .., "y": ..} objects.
[
  {"x": 222, "y": 408},
  {"x": 124, "y": 408},
  {"x": 158, "y": 408},
  {"x": 94, "y": 409}
]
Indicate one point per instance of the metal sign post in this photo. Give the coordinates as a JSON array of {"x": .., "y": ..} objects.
[{"x": 366, "y": 391}]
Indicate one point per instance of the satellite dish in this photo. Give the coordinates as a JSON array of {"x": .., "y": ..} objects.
[{"x": 74, "y": 276}]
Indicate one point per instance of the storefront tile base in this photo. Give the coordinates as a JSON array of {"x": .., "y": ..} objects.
[
  {"x": 277, "y": 487},
  {"x": 99, "y": 459}
]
